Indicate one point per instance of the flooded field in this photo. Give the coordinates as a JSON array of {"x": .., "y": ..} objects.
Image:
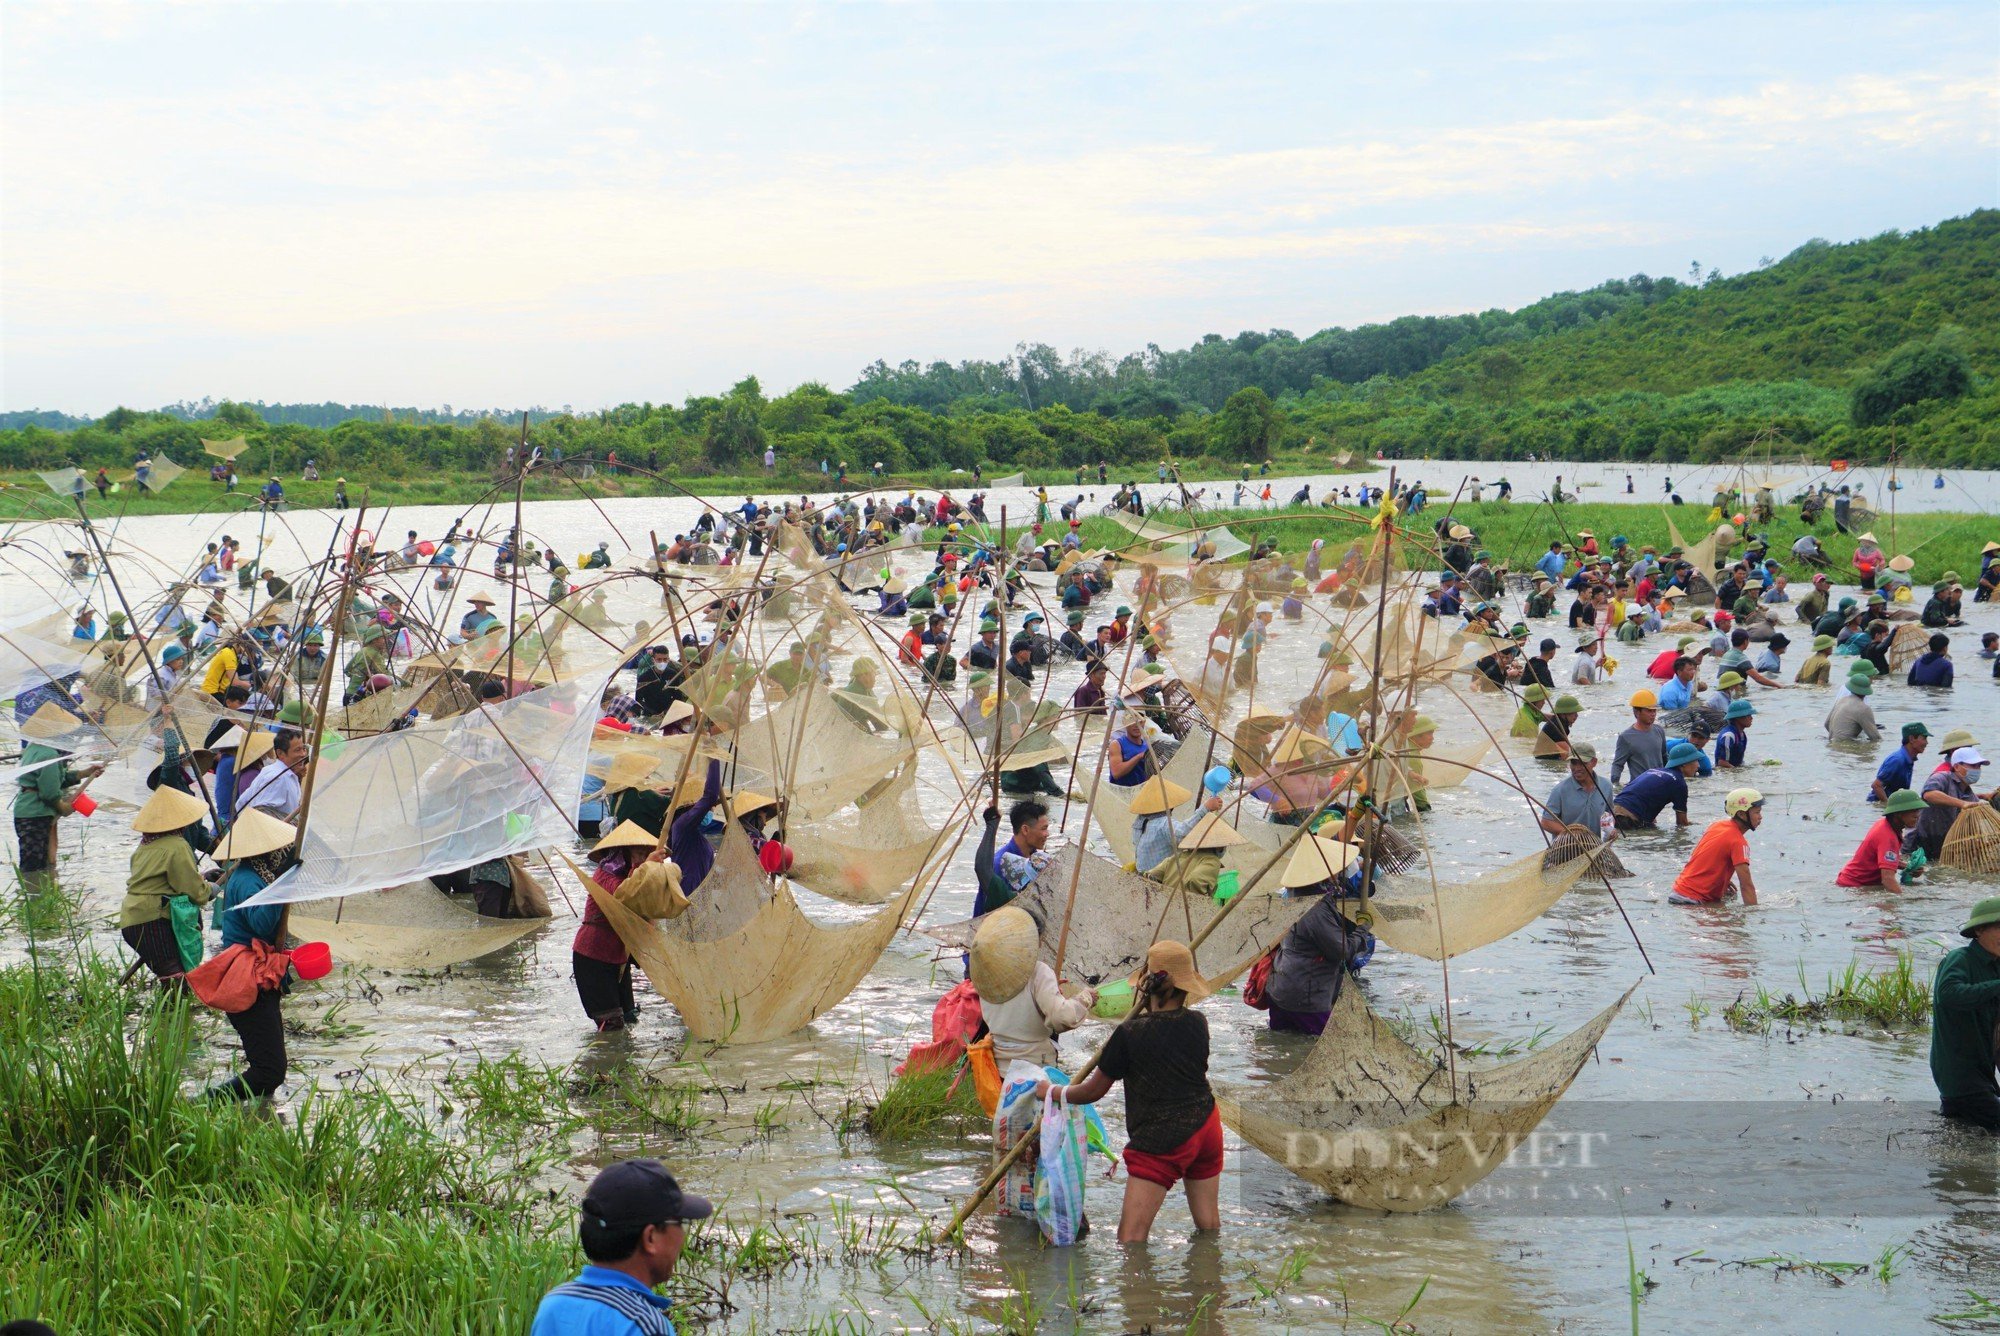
[{"x": 1789, "y": 1177}]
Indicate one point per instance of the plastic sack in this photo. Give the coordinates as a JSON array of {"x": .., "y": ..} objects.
[
  {"x": 1014, "y": 1117},
  {"x": 184, "y": 917},
  {"x": 1059, "y": 1182}
]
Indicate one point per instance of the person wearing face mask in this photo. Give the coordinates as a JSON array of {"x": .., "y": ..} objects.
[{"x": 1949, "y": 791}]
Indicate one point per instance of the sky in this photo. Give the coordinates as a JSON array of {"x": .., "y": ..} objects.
[{"x": 587, "y": 204}]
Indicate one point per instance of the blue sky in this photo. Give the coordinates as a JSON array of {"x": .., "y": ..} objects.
[{"x": 509, "y": 204}]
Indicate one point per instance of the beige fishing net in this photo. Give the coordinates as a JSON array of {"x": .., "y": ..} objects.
[
  {"x": 409, "y": 927},
  {"x": 1119, "y": 914},
  {"x": 771, "y": 976},
  {"x": 1376, "y": 1124},
  {"x": 862, "y": 855},
  {"x": 1448, "y": 918}
]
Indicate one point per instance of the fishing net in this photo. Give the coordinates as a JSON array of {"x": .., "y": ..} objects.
[
  {"x": 1443, "y": 919},
  {"x": 444, "y": 794},
  {"x": 228, "y": 449},
  {"x": 374, "y": 714},
  {"x": 769, "y": 977},
  {"x": 1582, "y": 842},
  {"x": 159, "y": 472},
  {"x": 861, "y": 855},
  {"x": 410, "y": 927},
  {"x": 1973, "y": 842},
  {"x": 63, "y": 482},
  {"x": 1376, "y": 1124},
  {"x": 816, "y": 754},
  {"x": 1118, "y": 915}
]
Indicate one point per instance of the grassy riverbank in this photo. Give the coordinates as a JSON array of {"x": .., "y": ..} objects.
[
  {"x": 1519, "y": 532},
  {"x": 386, "y": 1207}
]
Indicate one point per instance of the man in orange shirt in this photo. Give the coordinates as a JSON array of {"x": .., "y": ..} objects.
[{"x": 1722, "y": 855}]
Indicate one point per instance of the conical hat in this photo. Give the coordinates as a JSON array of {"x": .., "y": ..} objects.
[
  {"x": 50, "y": 721},
  {"x": 1211, "y": 832},
  {"x": 1867, "y": 538},
  {"x": 749, "y": 800},
  {"x": 255, "y": 749},
  {"x": 1003, "y": 954},
  {"x": 168, "y": 809},
  {"x": 1295, "y": 743},
  {"x": 1902, "y": 563},
  {"x": 1158, "y": 794},
  {"x": 627, "y": 835},
  {"x": 254, "y": 832},
  {"x": 1318, "y": 860}
]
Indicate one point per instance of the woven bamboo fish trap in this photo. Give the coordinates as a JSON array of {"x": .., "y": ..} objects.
[
  {"x": 1973, "y": 843},
  {"x": 1909, "y": 641}
]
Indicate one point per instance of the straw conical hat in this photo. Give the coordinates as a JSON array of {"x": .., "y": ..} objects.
[
  {"x": 50, "y": 721},
  {"x": 1002, "y": 958},
  {"x": 627, "y": 835},
  {"x": 168, "y": 809},
  {"x": 1317, "y": 860},
  {"x": 1295, "y": 743},
  {"x": 1158, "y": 794},
  {"x": 1212, "y": 832},
  {"x": 254, "y": 832},
  {"x": 749, "y": 800},
  {"x": 255, "y": 749},
  {"x": 230, "y": 740},
  {"x": 893, "y": 585},
  {"x": 676, "y": 712},
  {"x": 1866, "y": 538},
  {"x": 1902, "y": 563},
  {"x": 629, "y": 770}
]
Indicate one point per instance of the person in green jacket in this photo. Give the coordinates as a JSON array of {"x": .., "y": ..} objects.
[
  {"x": 163, "y": 867},
  {"x": 47, "y": 789},
  {"x": 1965, "y": 1013}
]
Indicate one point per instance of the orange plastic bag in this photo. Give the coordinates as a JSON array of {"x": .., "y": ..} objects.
[{"x": 985, "y": 1074}]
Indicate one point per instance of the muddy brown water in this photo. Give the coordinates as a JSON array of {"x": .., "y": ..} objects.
[{"x": 1722, "y": 1159}]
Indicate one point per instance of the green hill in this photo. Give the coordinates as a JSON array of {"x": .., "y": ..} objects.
[{"x": 1914, "y": 316}]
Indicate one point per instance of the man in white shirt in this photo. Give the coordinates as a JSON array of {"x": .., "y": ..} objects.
[{"x": 275, "y": 785}]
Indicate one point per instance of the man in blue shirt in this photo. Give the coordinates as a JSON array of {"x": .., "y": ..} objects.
[
  {"x": 1899, "y": 766},
  {"x": 634, "y": 1226},
  {"x": 1552, "y": 563},
  {"x": 1639, "y": 805},
  {"x": 1733, "y": 742}
]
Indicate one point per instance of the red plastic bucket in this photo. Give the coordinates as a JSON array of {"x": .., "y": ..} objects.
[
  {"x": 83, "y": 804},
  {"x": 313, "y": 960}
]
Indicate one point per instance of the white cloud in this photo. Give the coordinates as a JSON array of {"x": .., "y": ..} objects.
[{"x": 504, "y": 201}]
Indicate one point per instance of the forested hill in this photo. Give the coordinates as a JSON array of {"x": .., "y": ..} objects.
[
  {"x": 1855, "y": 350},
  {"x": 1780, "y": 347}
]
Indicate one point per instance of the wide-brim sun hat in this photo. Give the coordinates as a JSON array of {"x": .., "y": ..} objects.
[
  {"x": 1004, "y": 950},
  {"x": 1681, "y": 754},
  {"x": 1903, "y": 800},
  {"x": 1158, "y": 794},
  {"x": 168, "y": 809},
  {"x": 1954, "y": 738},
  {"x": 1174, "y": 960},
  {"x": 254, "y": 832}
]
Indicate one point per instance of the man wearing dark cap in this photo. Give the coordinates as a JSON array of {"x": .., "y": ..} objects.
[{"x": 634, "y": 1225}]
